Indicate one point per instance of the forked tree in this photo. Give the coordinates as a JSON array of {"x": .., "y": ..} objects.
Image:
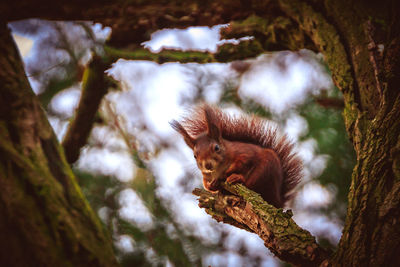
[{"x": 45, "y": 220}]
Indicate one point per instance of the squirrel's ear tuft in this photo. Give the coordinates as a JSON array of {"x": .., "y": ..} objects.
[
  {"x": 179, "y": 128},
  {"x": 212, "y": 123}
]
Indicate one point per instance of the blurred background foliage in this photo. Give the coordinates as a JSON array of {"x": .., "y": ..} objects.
[{"x": 62, "y": 51}]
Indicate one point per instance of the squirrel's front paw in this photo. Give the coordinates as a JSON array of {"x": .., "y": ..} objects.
[{"x": 235, "y": 178}]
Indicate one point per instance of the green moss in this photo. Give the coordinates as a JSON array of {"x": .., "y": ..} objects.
[
  {"x": 273, "y": 34},
  {"x": 325, "y": 36},
  {"x": 244, "y": 50},
  {"x": 278, "y": 221},
  {"x": 113, "y": 54},
  {"x": 251, "y": 26}
]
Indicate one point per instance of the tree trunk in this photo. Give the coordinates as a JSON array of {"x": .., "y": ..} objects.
[
  {"x": 349, "y": 35},
  {"x": 45, "y": 220},
  {"x": 360, "y": 42}
]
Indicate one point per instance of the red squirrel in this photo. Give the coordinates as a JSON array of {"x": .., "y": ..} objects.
[{"x": 241, "y": 150}]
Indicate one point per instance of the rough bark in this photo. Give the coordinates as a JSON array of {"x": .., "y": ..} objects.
[
  {"x": 45, "y": 220},
  {"x": 372, "y": 119},
  {"x": 361, "y": 46},
  {"x": 247, "y": 210}
]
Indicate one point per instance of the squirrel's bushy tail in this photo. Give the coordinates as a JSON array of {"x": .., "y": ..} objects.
[{"x": 254, "y": 130}]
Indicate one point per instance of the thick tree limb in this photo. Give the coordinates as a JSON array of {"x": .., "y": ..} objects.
[
  {"x": 247, "y": 210},
  {"x": 273, "y": 33},
  {"x": 41, "y": 206},
  {"x": 132, "y": 21},
  {"x": 328, "y": 41}
]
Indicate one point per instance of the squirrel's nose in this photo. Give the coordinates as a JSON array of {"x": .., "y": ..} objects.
[{"x": 209, "y": 166}]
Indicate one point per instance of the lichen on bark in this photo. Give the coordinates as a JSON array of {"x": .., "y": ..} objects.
[
  {"x": 336, "y": 29},
  {"x": 247, "y": 210},
  {"x": 44, "y": 209}
]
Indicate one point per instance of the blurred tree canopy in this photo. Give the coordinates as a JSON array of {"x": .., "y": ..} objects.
[{"x": 37, "y": 180}]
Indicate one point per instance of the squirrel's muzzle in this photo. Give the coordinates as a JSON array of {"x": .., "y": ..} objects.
[
  {"x": 207, "y": 166},
  {"x": 211, "y": 185}
]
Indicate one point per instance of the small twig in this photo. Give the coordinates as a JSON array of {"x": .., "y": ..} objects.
[{"x": 46, "y": 70}]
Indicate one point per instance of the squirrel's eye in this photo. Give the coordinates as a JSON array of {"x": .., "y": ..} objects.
[
  {"x": 216, "y": 148},
  {"x": 195, "y": 156}
]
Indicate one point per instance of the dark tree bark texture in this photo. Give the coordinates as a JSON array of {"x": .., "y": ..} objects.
[
  {"x": 360, "y": 41},
  {"x": 45, "y": 220}
]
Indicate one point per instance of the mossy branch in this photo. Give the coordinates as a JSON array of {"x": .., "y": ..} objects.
[
  {"x": 165, "y": 55},
  {"x": 243, "y": 208},
  {"x": 42, "y": 207},
  {"x": 94, "y": 87}
]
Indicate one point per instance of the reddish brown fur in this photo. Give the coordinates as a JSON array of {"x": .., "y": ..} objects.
[{"x": 249, "y": 151}]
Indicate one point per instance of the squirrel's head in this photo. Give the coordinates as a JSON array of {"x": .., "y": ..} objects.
[{"x": 208, "y": 147}]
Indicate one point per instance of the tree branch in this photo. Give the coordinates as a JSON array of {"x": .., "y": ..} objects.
[
  {"x": 245, "y": 209},
  {"x": 93, "y": 89},
  {"x": 330, "y": 102},
  {"x": 165, "y": 55}
]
